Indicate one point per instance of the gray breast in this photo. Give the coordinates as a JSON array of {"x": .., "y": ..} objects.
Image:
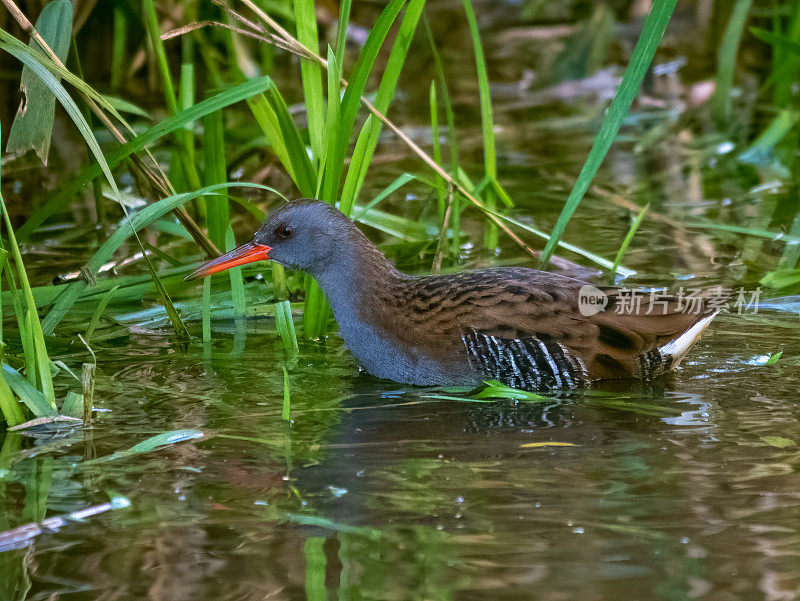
[{"x": 384, "y": 358}]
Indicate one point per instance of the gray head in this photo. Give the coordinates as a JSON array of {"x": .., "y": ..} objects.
[
  {"x": 302, "y": 234},
  {"x": 307, "y": 234}
]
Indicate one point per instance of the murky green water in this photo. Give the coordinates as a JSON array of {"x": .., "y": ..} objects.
[
  {"x": 682, "y": 489},
  {"x": 375, "y": 492}
]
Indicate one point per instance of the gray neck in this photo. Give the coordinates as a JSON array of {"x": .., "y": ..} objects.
[
  {"x": 355, "y": 280},
  {"x": 363, "y": 289}
]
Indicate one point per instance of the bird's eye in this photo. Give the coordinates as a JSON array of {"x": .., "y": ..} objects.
[{"x": 284, "y": 232}]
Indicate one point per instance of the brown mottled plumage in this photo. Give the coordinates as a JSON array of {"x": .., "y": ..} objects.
[{"x": 521, "y": 326}]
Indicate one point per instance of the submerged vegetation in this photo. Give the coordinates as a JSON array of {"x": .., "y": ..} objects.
[{"x": 168, "y": 140}]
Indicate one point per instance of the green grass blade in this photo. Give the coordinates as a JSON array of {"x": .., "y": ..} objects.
[
  {"x": 311, "y": 74},
  {"x": 206, "y": 310},
  {"x": 33, "y": 124},
  {"x": 779, "y": 41},
  {"x": 69, "y": 105},
  {"x": 352, "y": 98},
  {"x": 287, "y": 396},
  {"x": 185, "y": 140},
  {"x": 487, "y": 121},
  {"x": 33, "y": 328},
  {"x": 237, "y": 282},
  {"x": 761, "y": 151},
  {"x": 594, "y": 258},
  {"x": 721, "y": 103},
  {"x": 124, "y": 106},
  {"x": 445, "y": 96},
  {"x": 34, "y": 400},
  {"x": 10, "y": 408},
  {"x": 63, "y": 73},
  {"x": 154, "y": 36},
  {"x": 73, "y": 405},
  {"x": 341, "y": 29},
  {"x": 154, "y": 443},
  {"x": 624, "y": 246},
  {"x": 740, "y": 229},
  {"x": 652, "y": 32},
  {"x": 272, "y": 116},
  {"x": 398, "y": 183},
  {"x": 118, "y": 47},
  {"x": 441, "y": 193},
  {"x": 285, "y": 327},
  {"x": 331, "y": 114},
  {"x": 217, "y": 208},
  {"x": 175, "y": 319},
  {"x": 98, "y": 314},
  {"x": 370, "y": 132},
  {"x": 26, "y": 337}
]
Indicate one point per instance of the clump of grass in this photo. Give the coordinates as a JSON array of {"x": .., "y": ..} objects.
[{"x": 36, "y": 389}]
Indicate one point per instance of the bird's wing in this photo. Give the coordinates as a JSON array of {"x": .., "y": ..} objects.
[{"x": 531, "y": 331}]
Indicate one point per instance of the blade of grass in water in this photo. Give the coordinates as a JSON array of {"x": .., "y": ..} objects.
[
  {"x": 367, "y": 139},
  {"x": 762, "y": 150},
  {"x": 441, "y": 193},
  {"x": 10, "y": 409},
  {"x": 311, "y": 75},
  {"x": 726, "y": 61},
  {"x": 624, "y": 246},
  {"x": 596, "y": 259},
  {"x": 33, "y": 327},
  {"x": 316, "y": 561},
  {"x": 98, "y": 314},
  {"x": 38, "y": 403},
  {"x": 33, "y": 125},
  {"x": 652, "y": 31},
  {"x": 287, "y": 396},
  {"x": 154, "y": 443},
  {"x": 206, "y": 310},
  {"x": 491, "y": 237},
  {"x": 739, "y": 229},
  {"x": 285, "y": 327}
]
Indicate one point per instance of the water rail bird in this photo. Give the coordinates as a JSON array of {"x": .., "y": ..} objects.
[{"x": 526, "y": 328}]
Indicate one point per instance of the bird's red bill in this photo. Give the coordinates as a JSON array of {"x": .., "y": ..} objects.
[{"x": 246, "y": 253}]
